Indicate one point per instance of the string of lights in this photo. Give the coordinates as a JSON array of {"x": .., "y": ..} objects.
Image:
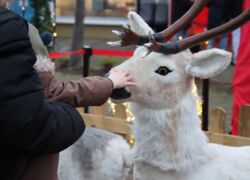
[
  {"x": 198, "y": 102},
  {"x": 54, "y": 24},
  {"x": 129, "y": 116}
]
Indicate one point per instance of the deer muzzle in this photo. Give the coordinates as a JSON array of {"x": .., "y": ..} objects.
[{"x": 120, "y": 94}]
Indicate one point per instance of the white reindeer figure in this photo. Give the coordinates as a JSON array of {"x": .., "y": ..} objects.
[
  {"x": 169, "y": 142},
  {"x": 97, "y": 155}
]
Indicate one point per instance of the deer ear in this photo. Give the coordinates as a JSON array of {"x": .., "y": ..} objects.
[
  {"x": 138, "y": 25},
  {"x": 208, "y": 63}
]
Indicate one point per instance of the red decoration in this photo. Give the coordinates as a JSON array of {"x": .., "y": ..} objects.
[
  {"x": 97, "y": 52},
  {"x": 241, "y": 80}
]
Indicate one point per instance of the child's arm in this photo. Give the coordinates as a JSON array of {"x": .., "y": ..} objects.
[{"x": 90, "y": 91}]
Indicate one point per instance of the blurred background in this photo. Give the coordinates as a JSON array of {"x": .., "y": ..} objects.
[{"x": 77, "y": 23}]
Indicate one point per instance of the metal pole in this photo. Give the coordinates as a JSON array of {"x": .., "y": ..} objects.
[
  {"x": 86, "y": 59},
  {"x": 205, "y": 105},
  {"x": 23, "y": 8}
]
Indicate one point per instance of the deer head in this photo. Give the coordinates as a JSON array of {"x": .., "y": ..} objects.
[{"x": 162, "y": 80}]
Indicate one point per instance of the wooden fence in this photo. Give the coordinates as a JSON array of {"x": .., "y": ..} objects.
[{"x": 215, "y": 134}]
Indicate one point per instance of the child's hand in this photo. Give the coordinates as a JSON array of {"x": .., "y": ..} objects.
[{"x": 120, "y": 78}]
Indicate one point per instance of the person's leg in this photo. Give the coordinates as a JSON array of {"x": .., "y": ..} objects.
[
  {"x": 185, "y": 33},
  {"x": 236, "y": 42},
  {"x": 211, "y": 43},
  {"x": 223, "y": 42},
  {"x": 42, "y": 168},
  {"x": 178, "y": 36}
]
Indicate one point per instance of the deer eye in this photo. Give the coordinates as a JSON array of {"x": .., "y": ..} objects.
[{"x": 163, "y": 70}]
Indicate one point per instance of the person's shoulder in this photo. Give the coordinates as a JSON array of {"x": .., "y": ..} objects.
[
  {"x": 13, "y": 29},
  {"x": 8, "y": 17}
]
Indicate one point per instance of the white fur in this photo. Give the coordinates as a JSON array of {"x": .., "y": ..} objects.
[
  {"x": 204, "y": 60},
  {"x": 139, "y": 25},
  {"x": 169, "y": 142},
  {"x": 97, "y": 155},
  {"x": 44, "y": 64}
]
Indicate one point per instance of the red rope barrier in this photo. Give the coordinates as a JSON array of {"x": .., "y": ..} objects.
[
  {"x": 97, "y": 52},
  {"x": 56, "y": 55},
  {"x": 104, "y": 52}
]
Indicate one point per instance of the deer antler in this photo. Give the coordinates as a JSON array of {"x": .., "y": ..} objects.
[
  {"x": 128, "y": 37},
  {"x": 184, "y": 20},
  {"x": 175, "y": 47}
]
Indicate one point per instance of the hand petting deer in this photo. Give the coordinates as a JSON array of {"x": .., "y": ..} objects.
[{"x": 169, "y": 142}]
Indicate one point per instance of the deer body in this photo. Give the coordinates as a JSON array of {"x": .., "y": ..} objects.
[
  {"x": 96, "y": 155},
  {"x": 169, "y": 142},
  {"x": 180, "y": 151}
]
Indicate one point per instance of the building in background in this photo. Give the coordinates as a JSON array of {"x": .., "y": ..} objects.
[
  {"x": 101, "y": 15},
  {"x": 109, "y": 14},
  {"x": 107, "y": 8}
]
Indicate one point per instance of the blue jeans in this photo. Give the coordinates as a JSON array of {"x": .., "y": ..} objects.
[
  {"x": 183, "y": 33},
  {"x": 236, "y": 43},
  {"x": 223, "y": 42}
]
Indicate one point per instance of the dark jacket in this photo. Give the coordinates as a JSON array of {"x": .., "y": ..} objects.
[
  {"x": 29, "y": 125},
  {"x": 217, "y": 13},
  {"x": 222, "y": 11},
  {"x": 179, "y": 8},
  {"x": 233, "y": 8}
]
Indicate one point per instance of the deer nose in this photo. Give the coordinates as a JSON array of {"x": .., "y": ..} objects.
[{"x": 120, "y": 94}]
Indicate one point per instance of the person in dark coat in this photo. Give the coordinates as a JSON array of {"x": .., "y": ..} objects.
[
  {"x": 217, "y": 15},
  {"x": 220, "y": 12},
  {"x": 154, "y": 12},
  {"x": 179, "y": 8},
  {"x": 233, "y": 9},
  {"x": 29, "y": 126}
]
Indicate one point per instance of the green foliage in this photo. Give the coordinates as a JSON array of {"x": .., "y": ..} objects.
[{"x": 42, "y": 17}]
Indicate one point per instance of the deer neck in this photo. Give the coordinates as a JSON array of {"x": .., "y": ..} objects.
[{"x": 169, "y": 139}]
